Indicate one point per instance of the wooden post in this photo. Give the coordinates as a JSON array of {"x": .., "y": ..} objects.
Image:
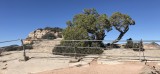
[{"x": 24, "y": 52}]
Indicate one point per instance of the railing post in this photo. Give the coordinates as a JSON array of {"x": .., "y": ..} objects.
[
  {"x": 141, "y": 49},
  {"x": 75, "y": 53},
  {"x": 24, "y": 52},
  {"x": 141, "y": 43},
  {"x": 140, "y": 52}
]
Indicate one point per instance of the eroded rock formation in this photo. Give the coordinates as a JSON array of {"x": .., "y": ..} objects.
[{"x": 42, "y": 34}]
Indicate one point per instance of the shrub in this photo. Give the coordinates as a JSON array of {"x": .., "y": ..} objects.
[
  {"x": 49, "y": 36},
  {"x": 13, "y": 48},
  {"x": 28, "y": 46},
  {"x": 135, "y": 46},
  {"x": 71, "y": 47},
  {"x": 40, "y": 29},
  {"x": 129, "y": 43},
  {"x": 78, "y": 51},
  {"x": 59, "y": 35},
  {"x": 55, "y": 29}
]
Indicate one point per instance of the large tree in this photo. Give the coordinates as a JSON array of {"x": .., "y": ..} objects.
[
  {"x": 94, "y": 23},
  {"x": 90, "y": 25},
  {"x": 121, "y": 23}
]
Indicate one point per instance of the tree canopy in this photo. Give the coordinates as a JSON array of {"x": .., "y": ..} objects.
[
  {"x": 121, "y": 23},
  {"x": 97, "y": 25},
  {"x": 91, "y": 25},
  {"x": 71, "y": 33},
  {"x": 92, "y": 22}
]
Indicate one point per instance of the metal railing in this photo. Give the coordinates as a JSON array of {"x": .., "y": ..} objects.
[
  {"x": 19, "y": 40},
  {"x": 79, "y": 47},
  {"x": 108, "y": 54}
]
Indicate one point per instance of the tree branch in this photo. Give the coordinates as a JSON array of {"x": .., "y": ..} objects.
[{"x": 121, "y": 35}]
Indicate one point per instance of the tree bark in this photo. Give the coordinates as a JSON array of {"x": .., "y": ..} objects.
[
  {"x": 119, "y": 37},
  {"x": 100, "y": 36}
]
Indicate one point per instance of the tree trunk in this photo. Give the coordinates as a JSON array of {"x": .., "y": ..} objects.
[
  {"x": 119, "y": 38},
  {"x": 100, "y": 36},
  {"x": 121, "y": 34}
]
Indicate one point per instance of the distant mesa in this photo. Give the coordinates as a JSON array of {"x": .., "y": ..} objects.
[{"x": 45, "y": 33}]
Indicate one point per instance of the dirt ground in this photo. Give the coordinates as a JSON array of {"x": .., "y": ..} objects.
[
  {"x": 47, "y": 63},
  {"x": 94, "y": 68}
]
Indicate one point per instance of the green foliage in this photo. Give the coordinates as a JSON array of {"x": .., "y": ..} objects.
[
  {"x": 129, "y": 43},
  {"x": 28, "y": 46},
  {"x": 79, "y": 51},
  {"x": 49, "y": 36},
  {"x": 71, "y": 33},
  {"x": 40, "y": 29},
  {"x": 59, "y": 36},
  {"x": 90, "y": 25},
  {"x": 136, "y": 46},
  {"x": 12, "y": 48},
  {"x": 55, "y": 29},
  {"x": 121, "y": 23},
  {"x": 75, "y": 33},
  {"x": 86, "y": 26},
  {"x": 94, "y": 23}
]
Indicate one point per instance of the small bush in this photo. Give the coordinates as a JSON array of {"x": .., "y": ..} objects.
[
  {"x": 129, "y": 43},
  {"x": 17, "y": 47},
  {"x": 49, "y": 36},
  {"x": 28, "y": 46},
  {"x": 71, "y": 47},
  {"x": 60, "y": 35},
  {"x": 136, "y": 45},
  {"x": 79, "y": 51},
  {"x": 13, "y": 48},
  {"x": 138, "y": 49},
  {"x": 55, "y": 29}
]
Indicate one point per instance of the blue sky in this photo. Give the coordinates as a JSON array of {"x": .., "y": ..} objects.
[{"x": 19, "y": 17}]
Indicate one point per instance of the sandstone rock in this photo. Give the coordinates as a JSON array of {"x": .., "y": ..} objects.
[{"x": 39, "y": 33}]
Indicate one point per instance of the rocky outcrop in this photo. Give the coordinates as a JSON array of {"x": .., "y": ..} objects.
[
  {"x": 38, "y": 34},
  {"x": 42, "y": 34}
]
